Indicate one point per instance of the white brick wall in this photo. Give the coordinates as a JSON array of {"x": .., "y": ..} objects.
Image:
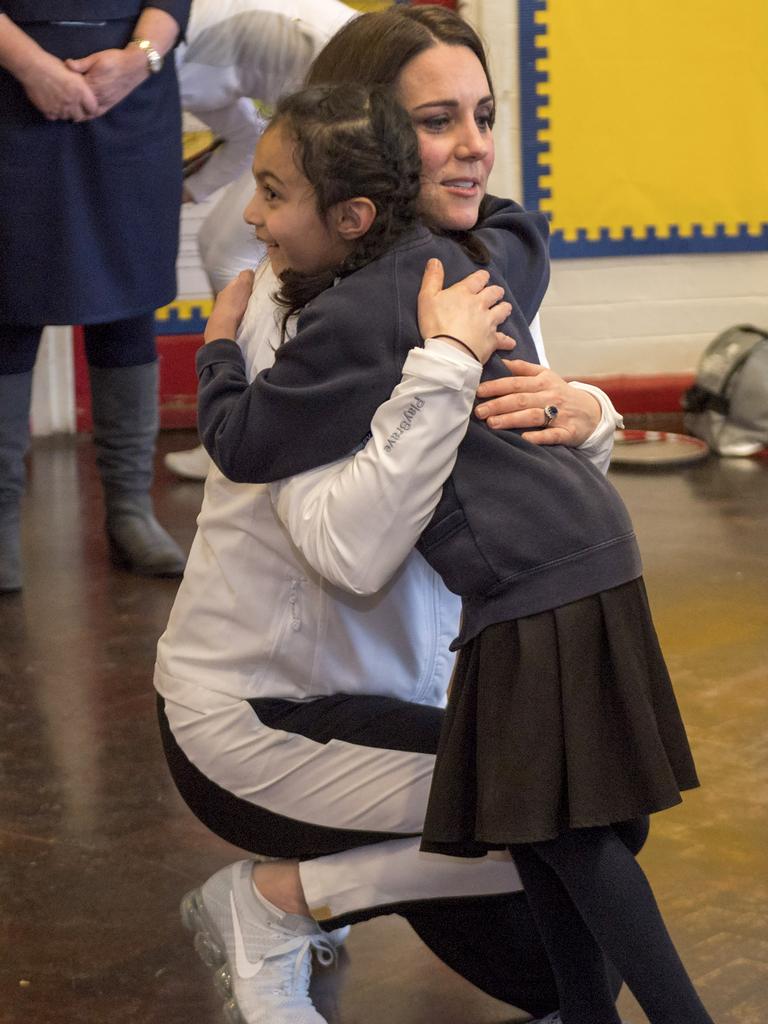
[
  {"x": 648, "y": 314},
  {"x": 638, "y": 314}
]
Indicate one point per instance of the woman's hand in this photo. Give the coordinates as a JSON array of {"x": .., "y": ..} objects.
[
  {"x": 469, "y": 311},
  {"x": 59, "y": 93},
  {"x": 111, "y": 74},
  {"x": 519, "y": 402},
  {"x": 51, "y": 87},
  {"x": 229, "y": 308}
]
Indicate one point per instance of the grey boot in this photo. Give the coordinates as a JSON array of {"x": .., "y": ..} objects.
[
  {"x": 15, "y": 394},
  {"x": 125, "y": 424}
]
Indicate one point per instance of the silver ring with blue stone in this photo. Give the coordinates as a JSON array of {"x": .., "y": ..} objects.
[{"x": 550, "y": 411}]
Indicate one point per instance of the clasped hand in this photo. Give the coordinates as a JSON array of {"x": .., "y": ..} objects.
[
  {"x": 111, "y": 74},
  {"x": 59, "y": 93},
  {"x": 80, "y": 90}
]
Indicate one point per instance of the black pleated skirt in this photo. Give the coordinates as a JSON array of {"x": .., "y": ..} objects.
[{"x": 565, "y": 719}]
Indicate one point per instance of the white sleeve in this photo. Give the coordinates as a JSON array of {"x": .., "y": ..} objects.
[
  {"x": 240, "y": 126},
  {"x": 538, "y": 340},
  {"x": 356, "y": 520},
  {"x": 599, "y": 445}
]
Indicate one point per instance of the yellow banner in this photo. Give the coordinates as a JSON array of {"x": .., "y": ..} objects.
[{"x": 649, "y": 121}]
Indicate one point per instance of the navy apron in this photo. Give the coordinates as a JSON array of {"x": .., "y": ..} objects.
[{"x": 89, "y": 213}]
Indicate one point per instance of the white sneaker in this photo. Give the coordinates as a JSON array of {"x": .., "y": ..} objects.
[
  {"x": 192, "y": 464},
  {"x": 262, "y": 959}
]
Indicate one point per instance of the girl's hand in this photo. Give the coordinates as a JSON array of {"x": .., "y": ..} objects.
[
  {"x": 519, "y": 402},
  {"x": 229, "y": 308},
  {"x": 469, "y": 310}
]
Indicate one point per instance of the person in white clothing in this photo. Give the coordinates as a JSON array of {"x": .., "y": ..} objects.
[
  {"x": 300, "y": 721},
  {"x": 237, "y": 51}
]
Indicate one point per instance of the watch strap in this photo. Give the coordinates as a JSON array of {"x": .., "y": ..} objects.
[{"x": 154, "y": 59}]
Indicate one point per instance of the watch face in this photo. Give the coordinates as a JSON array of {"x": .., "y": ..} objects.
[{"x": 154, "y": 60}]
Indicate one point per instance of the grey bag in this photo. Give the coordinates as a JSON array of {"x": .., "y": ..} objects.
[{"x": 727, "y": 406}]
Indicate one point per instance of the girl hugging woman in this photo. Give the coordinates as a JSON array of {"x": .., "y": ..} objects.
[{"x": 562, "y": 724}]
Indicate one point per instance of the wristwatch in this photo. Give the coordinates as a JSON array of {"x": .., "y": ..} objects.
[{"x": 154, "y": 60}]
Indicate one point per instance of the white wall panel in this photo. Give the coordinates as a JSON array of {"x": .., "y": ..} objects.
[{"x": 53, "y": 384}]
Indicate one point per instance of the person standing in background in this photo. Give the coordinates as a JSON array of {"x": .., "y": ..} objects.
[
  {"x": 236, "y": 51},
  {"x": 90, "y": 188}
]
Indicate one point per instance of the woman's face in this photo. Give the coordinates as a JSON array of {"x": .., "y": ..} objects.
[{"x": 446, "y": 92}]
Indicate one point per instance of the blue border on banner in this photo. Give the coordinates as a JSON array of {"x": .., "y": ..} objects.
[
  {"x": 530, "y": 123},
  {"x": 535, "y": 153}
]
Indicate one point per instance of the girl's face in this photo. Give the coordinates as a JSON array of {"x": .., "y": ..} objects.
[
  {"x": 284, "y": 213},
  {"x": 447, "y": 94}
]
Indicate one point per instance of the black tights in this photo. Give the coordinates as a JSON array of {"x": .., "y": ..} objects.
[
  {"x": 591, "y": 899},
  {"x": 495, "y": 943}
]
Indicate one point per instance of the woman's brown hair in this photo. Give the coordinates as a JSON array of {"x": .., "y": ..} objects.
[{"x": 372, "y": 49}]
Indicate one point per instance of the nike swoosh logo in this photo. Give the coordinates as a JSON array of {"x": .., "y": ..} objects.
[{"x": 245, "y": 968}]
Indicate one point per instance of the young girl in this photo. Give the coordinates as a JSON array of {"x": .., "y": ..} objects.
[{"x": 562, "y": 721}]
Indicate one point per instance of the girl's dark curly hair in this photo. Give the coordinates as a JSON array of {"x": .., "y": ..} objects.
[{"x": 351, "y": 141}]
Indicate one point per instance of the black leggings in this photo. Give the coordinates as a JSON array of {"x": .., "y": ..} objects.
[
  {"x": 591, "y": 899},
  {"x": 129, "y": 342}
]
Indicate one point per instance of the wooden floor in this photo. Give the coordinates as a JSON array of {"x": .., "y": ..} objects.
[{"x": 96, "y": 848}]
